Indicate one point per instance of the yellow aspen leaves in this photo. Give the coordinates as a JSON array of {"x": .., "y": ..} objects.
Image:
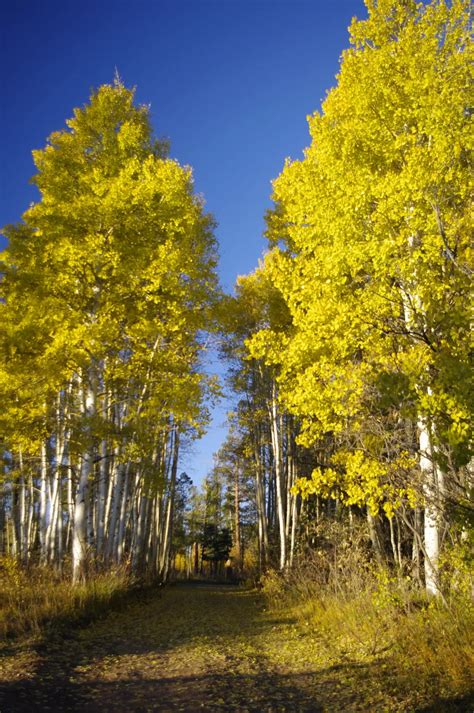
[{"x": 370, "y": 251}]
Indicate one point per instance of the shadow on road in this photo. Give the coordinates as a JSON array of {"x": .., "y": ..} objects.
[
  {"x": 259, "y": 693},
  {"x": 156, "y": 626}
]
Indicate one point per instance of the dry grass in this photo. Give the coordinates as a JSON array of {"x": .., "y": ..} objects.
[
  {"x": 33, "y": 598},
  {"x": 419, "y": 649}
]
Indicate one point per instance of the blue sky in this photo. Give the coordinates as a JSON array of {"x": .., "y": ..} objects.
[{"x": 230, "y": 83}]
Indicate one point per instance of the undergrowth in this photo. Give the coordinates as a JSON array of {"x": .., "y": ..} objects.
[
  {"x": 366, "y": 614},
  {"x": 34, "y": 598}
]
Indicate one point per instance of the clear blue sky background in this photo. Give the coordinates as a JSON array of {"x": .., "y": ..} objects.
[{"x": 230, "y": 83}]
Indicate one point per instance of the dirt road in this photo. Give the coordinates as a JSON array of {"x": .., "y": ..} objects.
[{"x": 187, "y": 648}]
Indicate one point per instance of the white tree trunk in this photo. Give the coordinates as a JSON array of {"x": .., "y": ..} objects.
[
  {"x": 23, "y": 519},
  {"x": 261, "y": 510},
  {"x": 168, "y": 523},
  {"x": 117, "y": 481},
  {"x": 431, "y": 521},
  {"x": 278, "y": 465},
  {"x": 102, "y": 485},
  {"x": 43, "y": 504},
  {"x": 101, "y": 498},
  {"x": 120, "y": 548},
  {"x": 79, "y": 532}
]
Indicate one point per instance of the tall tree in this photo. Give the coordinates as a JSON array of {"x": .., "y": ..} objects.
[
  {"x": 372, "y": 257},
  {"x": 109, "y": 282}
]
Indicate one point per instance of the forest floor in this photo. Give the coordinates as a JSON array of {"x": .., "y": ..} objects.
[{"x": 194, "y": 647}]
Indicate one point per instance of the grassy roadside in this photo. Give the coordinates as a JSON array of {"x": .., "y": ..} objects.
[
  {"x": 38, "y": 599},
  {"x": 384, "y": 639}
]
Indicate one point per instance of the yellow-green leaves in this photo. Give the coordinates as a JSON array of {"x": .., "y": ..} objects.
[
  {"x": 371, "y": 254},
  {"x": 358, "y": 479},
  {"x": 114, "y": 267}
]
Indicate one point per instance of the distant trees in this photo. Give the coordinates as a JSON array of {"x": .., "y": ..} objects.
[
  {"x": 202, "y": 534},
  {"x": 216, "y": 545},
  {"x": 263, "y": 434},
  {"x": 108, "y": 283}
]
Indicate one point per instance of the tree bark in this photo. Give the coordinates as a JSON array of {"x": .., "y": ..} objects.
[
  {"x": 431, "y": 515},
  {"x": 79, "y": 531}
]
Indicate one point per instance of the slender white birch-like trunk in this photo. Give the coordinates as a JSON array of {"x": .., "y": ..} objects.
[
  {"x": 237, "y": 531},
  {"x": 55, "y": 515},
  {"x": 22, "y": 513},
  {"x": 30, "y": 515},
  {"x": 101, "y": 498},
  {"x": 431, "y": 515},
  {"x": 294, "y": 527},
  {"x": 120, "y": 548},
  {"x": 69, "y": 502},
  {"x": 261, "y": 504},
  {"x": 109, "y": 503},
  {"x": 278, "y": 465},
  {"x": 43, "y": 504},
  {"x": 59, "y": 528},
  {"x": 293, "y": 509},
  {"x": 117, "y": 480},
  {"x": 11, "y": 523},
  {"x": 53, "y": 520},
  {"x": 79, "y": 531},
  {"x": 102, "y": 484},
  {"x": 166, "y": 541},
  {"x": 141, "y": 529}
]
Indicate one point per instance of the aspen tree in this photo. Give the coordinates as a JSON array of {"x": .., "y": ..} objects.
[
  {"x": 372, "y": 256},
  {"x": 109, "y": 282}
]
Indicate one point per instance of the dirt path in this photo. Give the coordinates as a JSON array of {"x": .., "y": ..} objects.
[{"x": 188, "y": 648}]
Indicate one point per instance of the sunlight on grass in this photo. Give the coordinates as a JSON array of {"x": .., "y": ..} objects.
[
  {"x": 415, "y": 648},
  {"x": 35, "y": 597}
]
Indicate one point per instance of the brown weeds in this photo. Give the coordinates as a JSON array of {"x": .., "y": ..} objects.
[{"x": 35, "y": 597}]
